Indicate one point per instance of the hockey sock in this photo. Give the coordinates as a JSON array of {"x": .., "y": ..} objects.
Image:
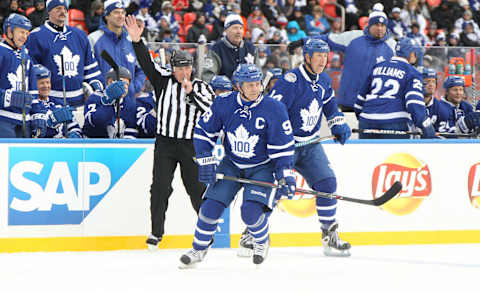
[
  {"x": 326, "y": 208},
  {"x": 210, "y": 211},
  {"x": 253, "y": 215}
]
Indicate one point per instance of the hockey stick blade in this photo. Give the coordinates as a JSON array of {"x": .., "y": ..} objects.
[
  {"x": 115, "y": 67},
  {"x": 388, "y": 195}
]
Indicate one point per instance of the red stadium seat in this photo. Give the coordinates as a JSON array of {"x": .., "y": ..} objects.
[
  {"x": 189, "y": 18},
  {"x": 329, "y": 8},
  {"x": 209, "y": 26},
  {"x": 29, "y": 10},
  {"x": 434, "y": 3},
  {"x": 75, "y": 17},
  {"x": 362, "y": 22}
]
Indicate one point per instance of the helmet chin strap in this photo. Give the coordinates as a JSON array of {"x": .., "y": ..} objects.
[{"x": 11, "y": 41}]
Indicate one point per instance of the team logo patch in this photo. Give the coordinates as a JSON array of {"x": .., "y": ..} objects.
[
  {"x": 130, "y": 58},
  {"x": 290, "y": 77}
]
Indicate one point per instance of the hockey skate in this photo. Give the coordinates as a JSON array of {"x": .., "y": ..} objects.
[
  {"x": 260, "y": 252},
  {"x": 245, "y": 245},
  {"x": 332, "y": 244},
  {"x": 192, "y": 257},
  {"x": 152, "y": 242}
]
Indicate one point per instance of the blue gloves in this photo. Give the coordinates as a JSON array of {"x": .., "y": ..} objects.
[
  {"x": 114, "y": 91},
  {"x": 17, "y": 99},
  {"x": 96, "y": 85},
  {"x": 339, "y": 128},
  {"x": 74, "y": 134},
  {"x": 472, "y": 120},
  {"x": 427, "y": 129},
  {"x": 207, "y": 166},
  {"x": 60, "y": 115},
  {"x": 286, "y": 181},
  {"x": 38, "y": 125}
]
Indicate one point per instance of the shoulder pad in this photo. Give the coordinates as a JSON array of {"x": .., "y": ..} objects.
[{"x": 35, "y": 30}]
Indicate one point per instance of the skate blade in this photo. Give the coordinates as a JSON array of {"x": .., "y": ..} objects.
[
  {"x": 244, "y": 252},
  {"x": 183, "y": 266},
  {"x": 152, "y": 247},
  {"x": 336, "y": 253}
]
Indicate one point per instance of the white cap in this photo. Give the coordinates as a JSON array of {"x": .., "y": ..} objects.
[{"x": 232, "y": 19}]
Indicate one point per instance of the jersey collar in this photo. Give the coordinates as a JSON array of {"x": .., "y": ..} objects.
[{"x": 303, "y": 71}]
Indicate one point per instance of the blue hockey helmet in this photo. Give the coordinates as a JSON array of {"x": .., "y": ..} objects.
[
  {"x": 276, "y": 72},
  {"x": 247, "y": 73},
  {"x": 428, "y": 72},
  {"x": 315, "y": 45},
  {"x": 16, "y": 20},
  {"x": 453, "y": 80},
  {"x": 41, "y": 71},
  {"x": 221, "y": 82},
  {"x": 406, "y": 46}
]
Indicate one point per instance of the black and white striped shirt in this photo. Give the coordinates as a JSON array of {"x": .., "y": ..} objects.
[{"x": 177, "y": 112}]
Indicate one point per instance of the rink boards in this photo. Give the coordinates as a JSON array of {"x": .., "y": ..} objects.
[{"x": 94, "y": 195}]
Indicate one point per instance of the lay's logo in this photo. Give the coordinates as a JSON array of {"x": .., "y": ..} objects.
[
  {"x": 414, "y": 176},
  {"x": 474, "y": 185}
]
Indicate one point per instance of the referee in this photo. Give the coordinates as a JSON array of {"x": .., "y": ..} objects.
[{"x": 180, "y": 101}]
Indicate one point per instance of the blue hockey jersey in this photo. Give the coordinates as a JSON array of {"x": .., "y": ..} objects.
[
  {"x": 121, "y": 50},
  {"x": 100, "y": 119},
  {"x": 46, "y": 106},
  {"x": 306, "y": 100},
  {"x": 11, "y": 78},
  {"x": 362, "y": 52},
  {"x": 456, "y": 112},
  {"x": 46, "y": 45},
  {"x": 393, "y": 94},
  {"x": 255, "y": 133},
  {"x": 146, "y": 118}
]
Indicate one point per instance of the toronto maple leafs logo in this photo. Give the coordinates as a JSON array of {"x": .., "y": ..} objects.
[
  {"x": 242, "y": 143},
  {"x": 130, "y": 58},
  {"x": 310, "y": 116},
  {"x": 249, "y": 58},
  {"x": 70, "y": 62},
  {"x": 15, "y": 78}
]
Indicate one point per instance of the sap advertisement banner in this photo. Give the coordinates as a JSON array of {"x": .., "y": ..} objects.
[{"x": 57, "y": 192}]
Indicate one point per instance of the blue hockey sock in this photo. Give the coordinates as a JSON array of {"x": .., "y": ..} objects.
[
  {"x": 254, "y": 216},
  {"x": 210, "y": 211},
  {"x": 326, "y": 208}
]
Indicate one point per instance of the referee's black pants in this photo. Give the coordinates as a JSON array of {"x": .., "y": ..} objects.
[{"x": 168, "y": 153}]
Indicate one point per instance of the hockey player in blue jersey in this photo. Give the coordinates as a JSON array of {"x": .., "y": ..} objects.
[
  {"x": 362, "y": 49},
  {"x": 146, "y": 113},
  {"x": 393, "y": 97},
  {"x": 48, "y": 42},
  {"x": 100, "y": 110},
  {"x": 17, "y": 81},
  {"x": 54, "y": 114},
  {"x": 221, "y": 84},
  {"x": 259, "y": 145},
  {"x": 113, "y": 38},
  {"x": 461, "y": 114},
  {"x": 307, "y": 93}
]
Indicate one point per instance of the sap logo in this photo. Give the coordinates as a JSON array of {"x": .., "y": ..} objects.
[{"x": 57, "y": 186}]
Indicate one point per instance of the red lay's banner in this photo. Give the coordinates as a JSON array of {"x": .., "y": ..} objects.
[
  {"x": 474, "y": 185},
  {"x": 414, "y": 176}
]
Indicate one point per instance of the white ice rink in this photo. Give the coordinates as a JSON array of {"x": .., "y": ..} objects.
[{"x": 415, "y": 268}]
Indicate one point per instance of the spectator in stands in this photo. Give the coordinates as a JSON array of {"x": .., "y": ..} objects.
[
  {"x": 431, "y": 34},
  {"x": 197, "y": 29},
  {"x": 424, "y": 9},
  {"x": 396, "y": 25},
  {"x": 411, "y": 14},
  {"x": 467, "y": 17},
  {"x": 468, "y": 37},
  {"x": 150, "y": 23},
  {"x": 256, "y": 19},
  {"x": 294, "y": 32},
  {"x": 93, "y": 18},
  {"x": 282, "y": 23},
  {"x": 15, "y": 8},
  {"x": 299, "y": 18},
  {"x": 230, "y": 51},
  {"x": 167, "y": 11},
  {"x": 453, "y": 43},
  {"x": 39, "y": 15},
  {"x": 271, "y": 11},
  {"x": 445, "y": 14},
  {"x": 317, "y": 23},
  {"x": 180, "y": 5},
  {"x": 337, "y": 26},
  {"x": 417, "y": 35},
  {"x": 218, "y": 25},
  {"x": 288, "y": 9}
]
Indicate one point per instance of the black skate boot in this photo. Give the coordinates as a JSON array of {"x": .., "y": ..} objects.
[
  {"x": 260, "y": 252},
  {"x": 152, "y": 242},
  {"x": 332, "y": 244},
  {"x": 245, "y": 245}
]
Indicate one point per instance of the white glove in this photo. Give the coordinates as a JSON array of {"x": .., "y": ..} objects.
[{"x": 87, "y": 89}]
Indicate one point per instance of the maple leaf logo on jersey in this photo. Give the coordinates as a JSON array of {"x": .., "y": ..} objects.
[
  {"x": 15, "y": 79},
  {"x": 242, "y": 143},
  {"x": 70, "y": 62},
  {"x": 249, "y": 58},
  {"x": 310, "y": 117}
]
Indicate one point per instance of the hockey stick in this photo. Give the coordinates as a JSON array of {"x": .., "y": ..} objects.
[
  {"x": 389, "y": 194},
  {"x": 402, "y": 132},
  {"x": 115, "y": 67},
  {"x": 64, "y": 93},
  {"x": 24, "y": 88},
  {"x": 163, "y": 60},
  {"x": 313, "y": 141},
  {"x": 266, "y": 80}
]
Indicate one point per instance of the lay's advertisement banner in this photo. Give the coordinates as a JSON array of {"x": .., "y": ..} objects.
[{"x": 103, "y": 190}]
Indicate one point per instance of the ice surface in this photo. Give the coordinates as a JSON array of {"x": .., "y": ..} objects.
[{"x": 412, "y": 268}]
